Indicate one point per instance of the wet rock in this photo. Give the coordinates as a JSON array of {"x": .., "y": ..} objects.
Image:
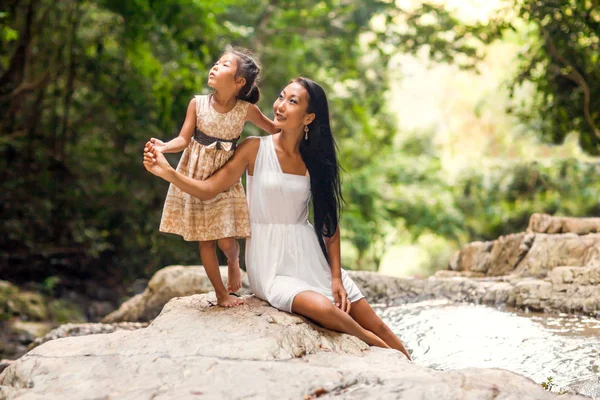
[
  {"x": 587, "y": 387},
  {"x": 68, "y": 330}
]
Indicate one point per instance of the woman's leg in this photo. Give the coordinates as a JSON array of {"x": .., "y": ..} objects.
[
  {"x": 208, "y": 255},
  {"x": 231, "y": 248},
  {"x": 321, "y": 310},
  {"x": 362, "y": 313}
]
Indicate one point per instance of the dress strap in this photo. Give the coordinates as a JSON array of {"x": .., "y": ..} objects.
[{"x": 264, "y": 158}]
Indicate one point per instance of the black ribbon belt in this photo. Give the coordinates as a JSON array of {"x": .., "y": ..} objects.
[{"x": 206, "y": 140}]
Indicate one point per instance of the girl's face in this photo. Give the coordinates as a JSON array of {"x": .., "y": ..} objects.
[
  {"x": 222, "y": 74},
  {"x": 290, "y": 108}
]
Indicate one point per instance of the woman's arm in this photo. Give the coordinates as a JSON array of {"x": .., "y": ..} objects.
[
  {"x": 334, "y": 253},
  {"x": 256, "y": 116},
  {"x": 156, "y": 163},
  {"x": 335, "y": 263},
  {"x": 185, "y": 135}
]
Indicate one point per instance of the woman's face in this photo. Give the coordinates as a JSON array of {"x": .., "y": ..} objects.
[
  {"x": 291, "y": 106},
  {"x": 222, "y": 74}
]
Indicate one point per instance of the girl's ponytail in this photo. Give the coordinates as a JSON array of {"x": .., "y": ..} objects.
[
  {"x": 249, "y": 69},
  {"x": 252, "y": 96}
]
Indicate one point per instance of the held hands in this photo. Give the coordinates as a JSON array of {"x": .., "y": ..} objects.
[
  {"x": 155, "y": 162},
  {"x": 340, "y": 296},
  {"x": 159, "y": 145}
]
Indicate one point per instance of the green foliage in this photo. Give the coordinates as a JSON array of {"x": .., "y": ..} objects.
[
  {"x": 501, "y": 200},
  {"x": 83, "y": 85},
  {"x": 561, "y": 56},
  {"x": 550, "y": 386},
  {"x": 106, "y": 76},
  {"x": 562, "y": 61},
  {"x": 62, "y": 311}
]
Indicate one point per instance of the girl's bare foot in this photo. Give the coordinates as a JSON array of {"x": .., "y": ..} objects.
[
  {"x": 229, "y": 301},
  {"x": 234, "y": 275}
]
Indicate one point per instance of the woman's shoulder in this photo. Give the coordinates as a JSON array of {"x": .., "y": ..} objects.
[
  {"x": 248, "y": 148},
  {"x": 251, "y": 143}
]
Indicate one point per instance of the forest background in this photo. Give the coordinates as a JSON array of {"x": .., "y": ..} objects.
[{"x": 455, "y": 121}]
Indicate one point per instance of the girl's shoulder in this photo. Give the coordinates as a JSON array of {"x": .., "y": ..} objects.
[
  {"x": 200, "y": 98},
  {"x": 202, "y": 102},
  {"x": 243, "y": 104}
]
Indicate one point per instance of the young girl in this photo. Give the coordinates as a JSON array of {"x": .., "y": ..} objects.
[{"x": 212, "y": 126}]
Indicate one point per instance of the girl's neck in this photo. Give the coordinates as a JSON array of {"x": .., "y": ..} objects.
[{"x": 223, "y": 99}]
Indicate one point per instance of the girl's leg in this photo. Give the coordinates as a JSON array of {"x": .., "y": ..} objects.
[
  {"x": 208, "y": 254},
  {"x": 321, "y": 310},
  {"x": 362, "y": 313},
  {"x": 231, "y": 249}
]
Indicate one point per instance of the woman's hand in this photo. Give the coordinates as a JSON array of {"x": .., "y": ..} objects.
[
  {"x": 340, "y": 296},
  {"x": 155, "y": 162}
]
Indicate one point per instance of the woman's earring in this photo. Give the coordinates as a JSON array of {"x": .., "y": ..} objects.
[{"x": 305, "y": 132}]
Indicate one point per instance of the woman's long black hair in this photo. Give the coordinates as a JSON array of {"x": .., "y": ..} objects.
[{"x": 319, "y": 154}]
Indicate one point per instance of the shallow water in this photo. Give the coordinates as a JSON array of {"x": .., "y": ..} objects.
[{"x": 443, "y": 335}]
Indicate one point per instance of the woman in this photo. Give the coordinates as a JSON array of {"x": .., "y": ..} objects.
[{"x": 291, "y": 265}]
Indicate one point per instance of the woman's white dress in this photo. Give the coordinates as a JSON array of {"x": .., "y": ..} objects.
[{"x": 283, "y": 256}]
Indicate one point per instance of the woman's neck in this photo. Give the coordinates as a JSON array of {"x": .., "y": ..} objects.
[{"x": 289, "y": 140}]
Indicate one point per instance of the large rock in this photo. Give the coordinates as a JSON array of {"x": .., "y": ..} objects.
[
  {"x": 568, "y": 289},
  {"x": 507, "y": 252},
  {"x": 550, "y": 251},
  {"x": 579, "y": 294},
  {"x": 474, "y": 256},
  {"x": 544, "y": 223},
  {"x": 168, "y": 282},
  {"x": 493, "y": 258},
  {"x": 526, "y": 254},
  {"x": 193, "y": 349}
]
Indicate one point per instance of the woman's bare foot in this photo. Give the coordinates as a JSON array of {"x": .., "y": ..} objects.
[
  {"x": 229, "y": 301},
  {"x": 234, "y": 275}
]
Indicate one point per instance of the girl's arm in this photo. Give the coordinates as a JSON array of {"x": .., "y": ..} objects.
[
  {"x": 185, "y": 135},
  {"x": 223, "y": 179},
  {"x": 259, "y": 119},
  {"x": 335, "y": 263}
]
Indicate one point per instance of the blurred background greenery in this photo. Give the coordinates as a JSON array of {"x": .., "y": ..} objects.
[{"x": 455, "y": 121}]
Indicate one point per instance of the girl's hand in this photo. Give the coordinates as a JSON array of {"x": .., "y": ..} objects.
[
  {"x": 340, "y": 295},
  {"x": 159, "y": 145},
  {"x": 155, "y": 162}
]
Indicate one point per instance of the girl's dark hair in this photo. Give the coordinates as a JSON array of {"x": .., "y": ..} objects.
[
  {"x": 319, "y": 154},
  {"x": 249, "y": 69}
]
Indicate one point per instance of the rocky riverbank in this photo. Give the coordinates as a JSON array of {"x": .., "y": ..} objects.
[
  {"x": 194, "y": 348},
  {"x": 554, "y": 266}
]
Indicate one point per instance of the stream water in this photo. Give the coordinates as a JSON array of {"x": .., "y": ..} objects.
[{"x": 444, "y": 335}]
